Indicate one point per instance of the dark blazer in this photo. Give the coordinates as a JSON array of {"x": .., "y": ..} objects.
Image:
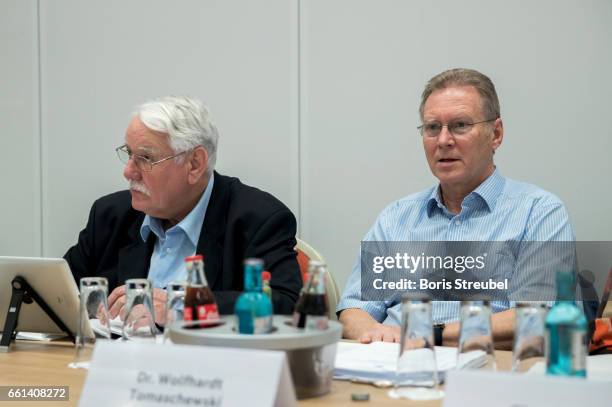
[{"x": 240, "y": 222}]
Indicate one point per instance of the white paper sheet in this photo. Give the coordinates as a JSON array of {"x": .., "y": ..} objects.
[{"x": 378, "y": 361}]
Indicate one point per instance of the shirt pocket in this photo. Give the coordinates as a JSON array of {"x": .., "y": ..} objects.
[{"x": 500, "y": 265}]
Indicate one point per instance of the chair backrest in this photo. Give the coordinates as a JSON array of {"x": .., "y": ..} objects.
[
  {"x": 305, "y": 253},
  {"x": 605, "y": 306}
]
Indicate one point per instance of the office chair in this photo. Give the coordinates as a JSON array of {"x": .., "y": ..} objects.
[{"x": 305, "y": 253}]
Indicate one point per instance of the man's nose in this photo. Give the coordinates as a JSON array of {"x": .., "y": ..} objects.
[
  {"x": 445, "y": 138},
  {"x": 131, "y": 170}
]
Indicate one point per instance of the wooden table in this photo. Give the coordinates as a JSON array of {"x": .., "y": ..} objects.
[{"x": 46, "y": 364}]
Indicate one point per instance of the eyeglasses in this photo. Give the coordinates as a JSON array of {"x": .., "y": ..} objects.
[
  {"x": 143, "y": 163},
  {"x": 456, "y": 128}
]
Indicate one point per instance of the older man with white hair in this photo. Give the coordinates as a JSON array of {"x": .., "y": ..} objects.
[{"x": 177, "y": 206}]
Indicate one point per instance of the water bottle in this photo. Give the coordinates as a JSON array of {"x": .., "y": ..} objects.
[
  {"x": 566, "y": 331},
  {"x": 253, "y": 308}
]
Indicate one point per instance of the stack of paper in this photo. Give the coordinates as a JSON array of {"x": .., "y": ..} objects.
[
  {"x": 36, "y": 336},
  {"x": 378, "y": 361}
]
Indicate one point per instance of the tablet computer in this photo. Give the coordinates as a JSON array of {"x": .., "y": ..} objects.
[{"x": 54, "y": 283}]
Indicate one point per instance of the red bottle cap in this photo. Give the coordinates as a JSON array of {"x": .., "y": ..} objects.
[
  {"x": 195, "y": 257},
  {"x": 266, "y": 275}
]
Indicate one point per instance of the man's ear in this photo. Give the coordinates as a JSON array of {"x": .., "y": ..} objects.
[
  {"x": 197, "y": 164},
  {"x": 498, "y": 133}
]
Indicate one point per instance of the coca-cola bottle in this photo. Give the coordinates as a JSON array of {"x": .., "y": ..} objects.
[
  {"x": 312, "y": 308},
  {"x": 200, "y": 304},
  {"x": 266, "y": 276}
]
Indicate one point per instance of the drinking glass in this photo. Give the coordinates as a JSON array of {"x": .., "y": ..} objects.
[
  {"x": 93, "y": 320},
  {"x": 476, "y": 349},
  {"x": 139, "y": 319},
  {"x": 175, "y": 305},
  {"x": 528, "y": 335},
  {"x": 417, "y": 374}
]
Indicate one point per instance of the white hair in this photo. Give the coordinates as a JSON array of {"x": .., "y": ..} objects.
[{"x": 186, "y": 121}]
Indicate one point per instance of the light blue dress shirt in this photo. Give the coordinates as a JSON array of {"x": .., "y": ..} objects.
[
  {"x": 500, "y": 209},
  {"x": 176, "y": 243}
]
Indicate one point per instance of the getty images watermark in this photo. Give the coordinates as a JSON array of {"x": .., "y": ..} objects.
[
  {"x": 415, "y": 264},
  {"x": 505, "y": 271}
]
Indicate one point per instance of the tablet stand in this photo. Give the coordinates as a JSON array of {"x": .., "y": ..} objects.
[{"x": 24, "y": 293}]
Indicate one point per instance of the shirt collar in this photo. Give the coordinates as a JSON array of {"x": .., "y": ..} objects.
[
  {"x": 486, "y": 194},
  {"x": 191, "y": 225},
  {"x": 490, "y": 190},
  {"x": 434, "y": 201}
]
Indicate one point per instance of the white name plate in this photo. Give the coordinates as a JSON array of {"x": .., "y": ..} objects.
[
  {"x": 505, "y": 389},
  {"x": 138, "y": 374}
]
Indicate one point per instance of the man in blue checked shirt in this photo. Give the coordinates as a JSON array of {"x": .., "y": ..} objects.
[{"x": 461, "y": 129}]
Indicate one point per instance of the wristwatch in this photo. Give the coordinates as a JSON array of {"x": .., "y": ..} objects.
[{"x": 438, "y": 330}]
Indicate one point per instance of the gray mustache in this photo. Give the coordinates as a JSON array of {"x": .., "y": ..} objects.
[{"x": 140, "y": 187}]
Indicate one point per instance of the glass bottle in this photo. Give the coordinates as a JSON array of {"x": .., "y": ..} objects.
[
  {"x": 300, "y": 302},
  {"x": 417, "y": 372},
  {"x": 139, "y": 320},
  {"x": 253, "y": 308},
  {"x": 476, "y": 349},
  {"x": 312, "y": 308},
  {"x": 528, "y": 347},
  {"x": 200, "y": 304},
  {"x": 566, "y": 331},
  {"x": 175, "y": 306},
  {"x": 94, "y": 311}
]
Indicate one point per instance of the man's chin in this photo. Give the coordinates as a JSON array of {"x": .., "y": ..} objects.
[
  {"x": 139, "y": 200},
  {"x": 448, "y": 177}
]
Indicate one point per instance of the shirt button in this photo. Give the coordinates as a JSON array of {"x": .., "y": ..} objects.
[
  {"x": 457, "y": 222},
  {"x": 168, "y": 250}
]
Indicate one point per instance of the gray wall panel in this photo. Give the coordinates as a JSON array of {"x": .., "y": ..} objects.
[
  {"x": 20, "y": 204},
  {"x": 366, "y": 63},
  {"x": 100, "y": 59}
]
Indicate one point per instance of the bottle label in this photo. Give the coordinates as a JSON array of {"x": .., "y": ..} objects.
[
  {"x": 317, "y": 322},
  {"x": 547, "y": 349},
  {"x": 578, "y": 351},
  {"x": 262, "y": 325},
  {"x": 204, "y": 312}
]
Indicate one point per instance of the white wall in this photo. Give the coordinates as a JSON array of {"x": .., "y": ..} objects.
[
  {"x": 316, "y": 102},
  {"x": 20, "y": 201},
  {"x": 366, "y": 63},
  {"x": 100, "y": 59}
]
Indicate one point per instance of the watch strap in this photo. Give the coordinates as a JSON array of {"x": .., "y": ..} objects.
[{"x": 438, "y": 331}]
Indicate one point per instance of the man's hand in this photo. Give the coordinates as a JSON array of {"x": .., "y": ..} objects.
[
  {"x": 380, "y": 332},
  {"x": 159, "y": 305},
  {"x": 359, "y": 325},
  {"x": 117, "y": 303}
]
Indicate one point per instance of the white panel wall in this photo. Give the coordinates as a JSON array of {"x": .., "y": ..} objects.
[
  {"x": 100, "y": 59},
  {"x": 316, "y": 102},
  {"x": 366, "y": 63},
  {"x": 19, "y": 129}
]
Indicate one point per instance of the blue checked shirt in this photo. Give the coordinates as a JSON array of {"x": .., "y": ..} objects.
[
  {"x": 176, "y": 243},
  {"x": 500, "y": 209}
]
